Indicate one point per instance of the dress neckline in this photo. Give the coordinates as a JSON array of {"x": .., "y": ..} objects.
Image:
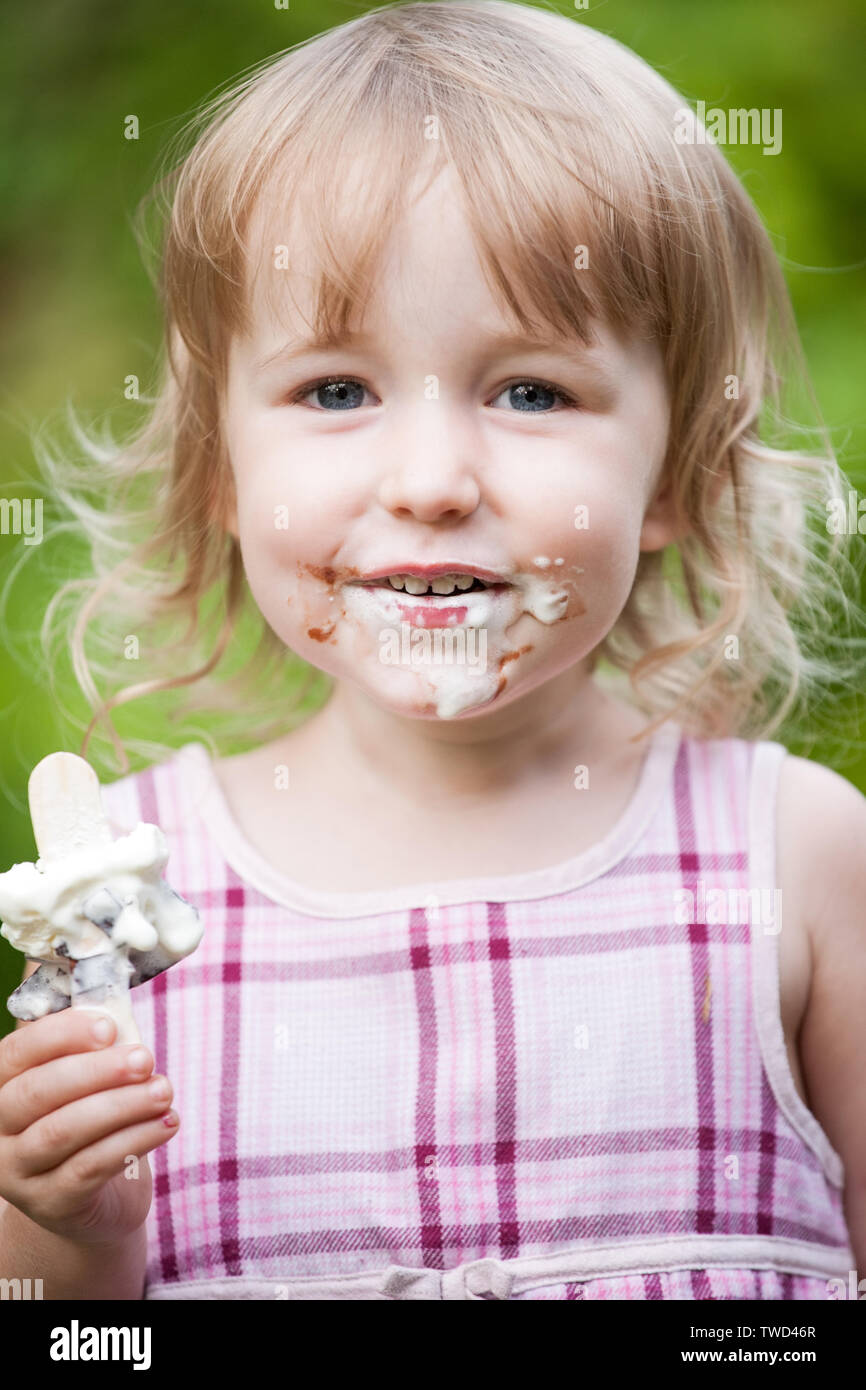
[{"x": 210, "y": 804}]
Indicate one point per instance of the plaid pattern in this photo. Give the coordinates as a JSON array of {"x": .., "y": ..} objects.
[{"x": 454, "y": 1074}]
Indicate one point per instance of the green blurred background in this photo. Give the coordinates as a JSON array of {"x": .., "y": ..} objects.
[{"x": 80, "y": 313}]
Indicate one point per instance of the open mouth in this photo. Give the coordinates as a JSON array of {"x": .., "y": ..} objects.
[{"x": 441, "y": 586}]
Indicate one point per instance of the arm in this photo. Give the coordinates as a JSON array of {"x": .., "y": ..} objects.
[
  {"x": 823, "y": 842},
  {"x": 67, "y": 1269}
]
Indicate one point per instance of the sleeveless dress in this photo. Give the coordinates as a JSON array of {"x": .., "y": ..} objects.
[{"x": 567, "y": 1083}]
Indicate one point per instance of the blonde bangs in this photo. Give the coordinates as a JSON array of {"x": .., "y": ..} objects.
[{"x": 566, "y": 217}]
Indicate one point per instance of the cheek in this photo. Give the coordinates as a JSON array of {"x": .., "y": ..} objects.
[
  {"x": 288, "y": 537},
  {"x": 593, "y": 528},
  {"x": 608, "y": 550},
  {"x": 282, "y": 515}
]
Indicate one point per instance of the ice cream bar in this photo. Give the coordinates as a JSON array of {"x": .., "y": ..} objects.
[{"x": 93, "y": 909}]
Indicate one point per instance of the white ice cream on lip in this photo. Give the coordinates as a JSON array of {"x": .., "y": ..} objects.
[
  {"x": 42, "y": 904},
  {"x": 461, "y": 675}
]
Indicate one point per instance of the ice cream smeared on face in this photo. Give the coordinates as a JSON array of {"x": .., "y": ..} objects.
[
  {"x": 546, "y": 599},
  {"x": 456, "y": 635},
  {"x": 542, "y": 562},
  {"x": 94, "y": 910}
]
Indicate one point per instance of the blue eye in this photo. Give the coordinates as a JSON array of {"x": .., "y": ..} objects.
[
  {"x": 335, "y": 393},
  {"x": 532, "y": 397}
]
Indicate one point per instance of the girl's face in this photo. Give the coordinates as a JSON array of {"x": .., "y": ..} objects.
[{"x": 457, "y": 517}]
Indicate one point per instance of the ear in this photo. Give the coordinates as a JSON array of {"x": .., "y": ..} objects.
[{"x": 663, "y": 522}]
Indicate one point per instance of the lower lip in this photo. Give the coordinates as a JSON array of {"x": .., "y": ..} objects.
[{"x": 431, "y": 615}]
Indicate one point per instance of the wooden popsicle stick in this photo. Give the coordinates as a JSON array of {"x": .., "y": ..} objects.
[
  {"x": 67, "y": 815},
  {"x": 65, "y": 806}
]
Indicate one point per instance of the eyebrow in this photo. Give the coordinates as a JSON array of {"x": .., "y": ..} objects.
[
  {"x": 508, "y": 342},
  {"x": 299, "y": 347}
]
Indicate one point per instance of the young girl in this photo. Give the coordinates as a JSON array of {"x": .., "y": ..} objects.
[{"x": 519, "y": 979}]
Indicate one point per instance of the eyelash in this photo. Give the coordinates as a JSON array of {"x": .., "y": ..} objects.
[{"x": 568, "y": 400}]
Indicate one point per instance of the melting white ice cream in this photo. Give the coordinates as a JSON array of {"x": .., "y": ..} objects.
[
  {"x": 51, "y": 909},
  {"x": 462, "y": 673},
  {"x": 94, "y": 910}
]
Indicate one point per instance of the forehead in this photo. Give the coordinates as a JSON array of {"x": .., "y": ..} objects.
[
  {"x": 424, "y": 272},
  {"x": 425, "y": 259}
]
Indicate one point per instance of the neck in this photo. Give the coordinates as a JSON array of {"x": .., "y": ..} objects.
[{"x": 567, "y": 720}]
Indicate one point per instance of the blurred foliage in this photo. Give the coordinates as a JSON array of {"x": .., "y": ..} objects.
[{"x": 81, "y": 314}]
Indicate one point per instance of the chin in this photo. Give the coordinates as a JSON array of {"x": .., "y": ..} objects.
[{"x": 449, "y": 696}]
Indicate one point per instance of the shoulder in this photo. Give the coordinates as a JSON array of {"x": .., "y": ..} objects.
[
  {"x": 822, "y": 846},
  {"x": 822, "y": 843}
]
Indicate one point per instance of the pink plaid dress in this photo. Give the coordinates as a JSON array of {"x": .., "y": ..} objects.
[{"x": 567, "y": 1083}]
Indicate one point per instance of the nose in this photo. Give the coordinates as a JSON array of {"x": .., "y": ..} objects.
[{"x": 430, "y": 476}]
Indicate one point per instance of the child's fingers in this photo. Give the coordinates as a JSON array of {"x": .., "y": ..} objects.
[
  {"x": 56, "y": 1137},
  {"x": 84, "y": 1173},
  {"x": 55, "y": 1035},
  {"x": 36, "y": 1092}
]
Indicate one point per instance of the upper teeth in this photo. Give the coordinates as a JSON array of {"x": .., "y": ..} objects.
[{"x": 442, "y": 584}]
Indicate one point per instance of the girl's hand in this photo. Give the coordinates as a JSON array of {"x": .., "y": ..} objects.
[{"x": 73, "y": 1111}]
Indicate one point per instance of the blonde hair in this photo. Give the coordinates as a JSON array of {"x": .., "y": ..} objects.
[{"x": 560, "y": 136}]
